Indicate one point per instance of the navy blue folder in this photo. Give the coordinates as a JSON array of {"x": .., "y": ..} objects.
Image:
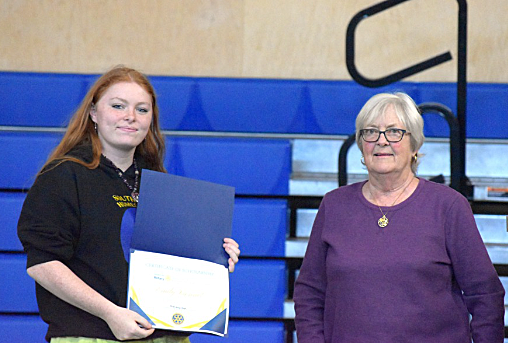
[{"x": 180, "y": 216}]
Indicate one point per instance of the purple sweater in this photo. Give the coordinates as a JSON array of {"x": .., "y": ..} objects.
[{"x": 416, "y": 280}]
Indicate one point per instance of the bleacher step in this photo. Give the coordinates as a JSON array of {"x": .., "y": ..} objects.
[{"x": 315, "y": 164}]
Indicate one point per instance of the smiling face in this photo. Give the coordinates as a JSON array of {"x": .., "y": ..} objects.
[
  {"x": 383, "y": 157},
  {"x": 123, "y": 115}
]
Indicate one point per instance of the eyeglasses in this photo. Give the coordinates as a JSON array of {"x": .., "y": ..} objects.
[{"x": 391, "y": 135}]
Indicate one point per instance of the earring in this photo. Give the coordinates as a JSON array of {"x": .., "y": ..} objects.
[
  {"x": 362, "y": 160},
  {"x": 95, "y": 127}
]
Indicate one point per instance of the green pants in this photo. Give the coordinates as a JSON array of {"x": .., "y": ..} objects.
[{"x": 167, "y": 339}]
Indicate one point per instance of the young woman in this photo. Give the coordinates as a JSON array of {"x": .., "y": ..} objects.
[{"x": 70, "y": 221}]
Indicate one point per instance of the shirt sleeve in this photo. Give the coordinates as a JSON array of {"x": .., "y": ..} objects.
[
  {"x": 49, "y": 223},
  {"x": 310, "y": 286},
  {"x": 482, "y": 290}
]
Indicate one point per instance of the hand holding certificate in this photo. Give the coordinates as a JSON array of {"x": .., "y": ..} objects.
[{"x": 178, "y": 276}]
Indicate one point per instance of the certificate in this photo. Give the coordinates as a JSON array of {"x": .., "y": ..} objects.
[
  {"x": 178, "y": 269},
  {"x": 178, "y": 293}
]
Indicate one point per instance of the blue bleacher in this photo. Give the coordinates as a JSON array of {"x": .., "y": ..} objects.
[
  {"x": 22, "y": 329},
  {"x": 255, "y": 167},
  {"x": 258, "y": 289},
  {"x": 41, "y": 99},
  {"x": 23, "y": 155},
  {"x": 11, "y": 204},
  {"x": 246, "y": 332},
  {"x": 259, "y": 226},
  {"x": 17, "y": 289},
  {"x": 246, "y": 105},
  {"x": 251, "y": 166}
]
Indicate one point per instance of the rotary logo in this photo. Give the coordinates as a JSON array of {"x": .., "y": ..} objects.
[{"x": 178, "y": 318}]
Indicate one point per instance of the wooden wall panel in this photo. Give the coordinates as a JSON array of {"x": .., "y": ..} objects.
[
  {"x": 402, "y": 36},
  {"x": 295, "y": 39},
  {"x": 158, "y": 37},
  {"x": 248, "y": 38},
  {"x": 488, "y": 41}
]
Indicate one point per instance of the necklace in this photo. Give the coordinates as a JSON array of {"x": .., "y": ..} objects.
[
  {"x": 383, "y": 221},
  {"x": 134, "y": 189}
]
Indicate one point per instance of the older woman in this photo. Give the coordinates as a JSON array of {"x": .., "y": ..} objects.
[{"x": 396, "y": 258}]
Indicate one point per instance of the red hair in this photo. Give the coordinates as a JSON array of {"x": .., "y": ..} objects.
[{"x": 81, "y": 127}]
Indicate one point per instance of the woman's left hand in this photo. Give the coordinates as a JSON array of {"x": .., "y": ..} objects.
[{"x": 232, "y": 248}]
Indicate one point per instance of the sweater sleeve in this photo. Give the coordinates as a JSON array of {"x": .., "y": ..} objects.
[
  {"x": 49, "y": 223},
  {"x": 482, "y": 290},
  {"x": 310, "y": 286}
]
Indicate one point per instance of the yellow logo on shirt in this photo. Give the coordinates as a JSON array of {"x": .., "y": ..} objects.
[{"x": 125, "y": 201}]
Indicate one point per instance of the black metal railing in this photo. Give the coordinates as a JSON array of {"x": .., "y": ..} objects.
[{"x": 459, "y": 167}]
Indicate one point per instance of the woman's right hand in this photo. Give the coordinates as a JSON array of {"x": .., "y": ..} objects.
[
  {"x": 58, "y": 279},
  {"x": 126, "y": 324}
]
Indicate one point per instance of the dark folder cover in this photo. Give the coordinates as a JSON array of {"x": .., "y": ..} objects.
[{"x": 183, "y": 217}]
